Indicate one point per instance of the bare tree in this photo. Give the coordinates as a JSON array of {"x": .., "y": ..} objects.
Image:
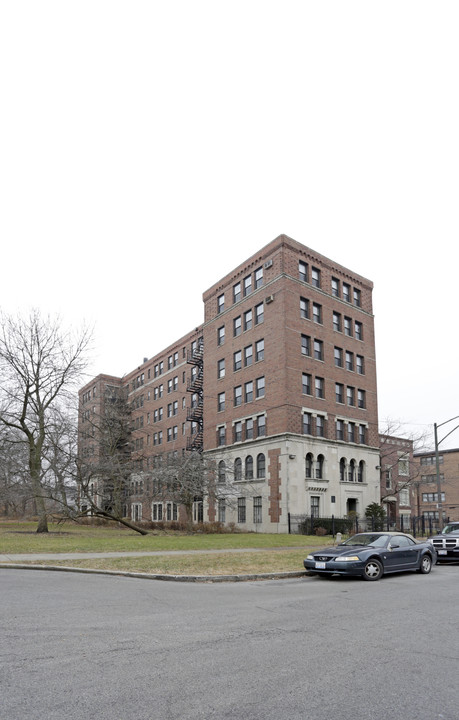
[
  {"x": 103, "y": 475},
  {"x": 40, "y": 363}
]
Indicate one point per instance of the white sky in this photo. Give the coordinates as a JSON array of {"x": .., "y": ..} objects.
[{"x": 148, "y": 148}]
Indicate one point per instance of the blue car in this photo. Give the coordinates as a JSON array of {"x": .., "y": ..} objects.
[{"x": 371, "y": 555}]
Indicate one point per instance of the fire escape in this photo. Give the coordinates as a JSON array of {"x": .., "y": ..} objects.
[{"x": 194, "y": 413}]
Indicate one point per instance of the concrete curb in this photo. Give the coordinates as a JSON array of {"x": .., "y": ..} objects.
[{"x": 148, "y": 576}]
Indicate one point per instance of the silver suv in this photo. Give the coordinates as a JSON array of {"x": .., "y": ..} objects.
[{"x": 447, "y": 543}]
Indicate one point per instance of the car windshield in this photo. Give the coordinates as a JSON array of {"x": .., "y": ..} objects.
[
  {"x": 376, "y": 540},
  {"x": 450, "y": 528}
]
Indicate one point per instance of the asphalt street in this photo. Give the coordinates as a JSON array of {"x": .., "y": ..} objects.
[{"x": 114, "y": 648}]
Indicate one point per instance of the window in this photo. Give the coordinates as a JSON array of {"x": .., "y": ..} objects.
[
  {"x": 304, "y": 308},
  {"x": 259, "y": 314},
  {"x": 359, "y": 364},
  {"x": 317, "y": 313},
  {"x": 169, "y": 386},
  {"x": 237, "y": 360},
  {"x": 342, "y": 470},
  {"x": 335, "y": 287},
  {"x": 306, "y": 384},
  {"x": 157, "y": 512},
  {"x": 261, "y": 466},
  {"x": 361, "y": 400},
  {"x": 403, "y": 466},
  {"x": 248, "y": 391},
  {"x": 247, "y": 285},
  {"x": 348, "y": 326},
  {"x": 249, "y": 429},
  {"x": 241, "y": 510},
  {"x": 221, "y": 435},
  {"x": 340, "y": 430},
  {"x": 362, "y": 434},
  {"x": 238, "y": 431},
  {"x": 351, "y": 432},
  {"x": 221, "y": 401},
  {"x": 426, "y": 497},
  {"x": 318, "y": 350},
  {"x": 238, "y": 469},
  {"x": 257, "y": 510},
  {"x": 320, "y": 426},
  {"x": 249, "y": 467},
  {"x": 358, "y": 330},
  {"x": 339, "y": 392},
  {"x": 303, "y": 271},
  {"x": 350, "y": 395},
  {"x": 307, "y": 423},
  {"x": 315, "y": 277},
  {"x": 221, "y": 335},
  {"x": 315, "y": 506},
  {"x": 351, "y": 471},
  {"x": 248, "y": 315},
  {"x": 320, "y": 467},
  {"x": 237, "y": 326},
  {"x": 259, "y": 350},
  {"x": 305, "y": 345},
  {"x": 309, "y": 465},
  {"x": 320, "y": 387},
  {"x": 248, "y": 355},
  {"x": 404, "y": 496},
  {"x": 337, "y": 321},
  {"x": 260, "y": 387},
  {"x": 357, "y": 297},
  {"x": 237, "y": 294},
  {"x": 361, "y": 471},
  {"x": 338, "y": 357},
  {"x": 349, "y": 360},
  {"x": 238, "y": 395},
  {"x": 221, "y": 368},
  {"x": 346, "y": 292},
  {"x": 258, "y": 278},
  {"x": 220, "y": 303},
  {"x": 261, "y": 426}
]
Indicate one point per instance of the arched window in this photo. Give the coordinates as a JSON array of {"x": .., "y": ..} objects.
[
  {"x": 342, "y": 469},
  {"x": 320, "y": 467},
  {"x": 221, "y": 471},
  {"x": 309, "y": 464},
  {"x": 361, "y": 471},
  {"x": 261, "y": 466},
  {"x": 351, "y": 471},
  {"x": 249, "y": 467},
  {"x": 238, "y": 469}
]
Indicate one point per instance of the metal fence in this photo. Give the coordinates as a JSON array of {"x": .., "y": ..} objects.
[{"x": 311, "y": 525}]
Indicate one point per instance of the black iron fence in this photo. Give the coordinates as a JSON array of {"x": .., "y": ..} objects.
[{"x": 311, "y": 525}]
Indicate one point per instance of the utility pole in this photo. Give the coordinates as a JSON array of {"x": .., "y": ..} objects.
[{"x": 437, "y": 464}]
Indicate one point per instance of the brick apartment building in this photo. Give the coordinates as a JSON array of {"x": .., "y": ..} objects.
[
  {"x": 277, "y": 386},
  {"x": 426, "y": 495},
  {"x": 399, "y": 476}
]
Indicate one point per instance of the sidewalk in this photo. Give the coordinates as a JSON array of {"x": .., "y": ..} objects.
[{"x": 30, "y": 557}]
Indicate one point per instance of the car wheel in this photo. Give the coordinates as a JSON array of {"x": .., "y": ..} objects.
[
  {"x": 373, "y": 570},
  {"x": 426, "y": 564}
]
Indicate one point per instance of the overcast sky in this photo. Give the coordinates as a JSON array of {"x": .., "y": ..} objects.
[{"x": 148, "y": 148}]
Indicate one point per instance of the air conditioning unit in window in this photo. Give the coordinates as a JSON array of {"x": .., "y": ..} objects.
[
  {"x": 269, "y": 299},
  {"x": 268, "y": 263}
]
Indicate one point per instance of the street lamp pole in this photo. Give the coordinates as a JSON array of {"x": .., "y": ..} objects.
[{"x": 437, "y": 463}]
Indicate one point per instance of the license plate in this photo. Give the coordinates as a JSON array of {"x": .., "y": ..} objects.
[
  {"x": 320, "y": 565},
  {"x": 442, "y": 552}
]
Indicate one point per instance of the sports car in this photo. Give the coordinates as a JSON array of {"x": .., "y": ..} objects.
[{"x": 371, "y": 555}]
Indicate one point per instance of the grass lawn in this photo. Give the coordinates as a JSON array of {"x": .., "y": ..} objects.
[{"x": 21, "y": 537}]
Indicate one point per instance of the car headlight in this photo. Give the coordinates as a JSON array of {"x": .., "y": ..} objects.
[
  {"x": 310, "y": 557},
  {"x": 347, "y": 558}
]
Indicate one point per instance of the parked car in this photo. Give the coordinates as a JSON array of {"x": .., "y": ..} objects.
[
  {"x": 372, "y": 555},
  {"x": 447, "y": 543}
]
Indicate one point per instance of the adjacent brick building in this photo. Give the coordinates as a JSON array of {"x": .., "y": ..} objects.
[
  {"x": 277, "y": 386},
  {"x": 426, "y": 491},
  {"x": 399, "y": 477}
]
